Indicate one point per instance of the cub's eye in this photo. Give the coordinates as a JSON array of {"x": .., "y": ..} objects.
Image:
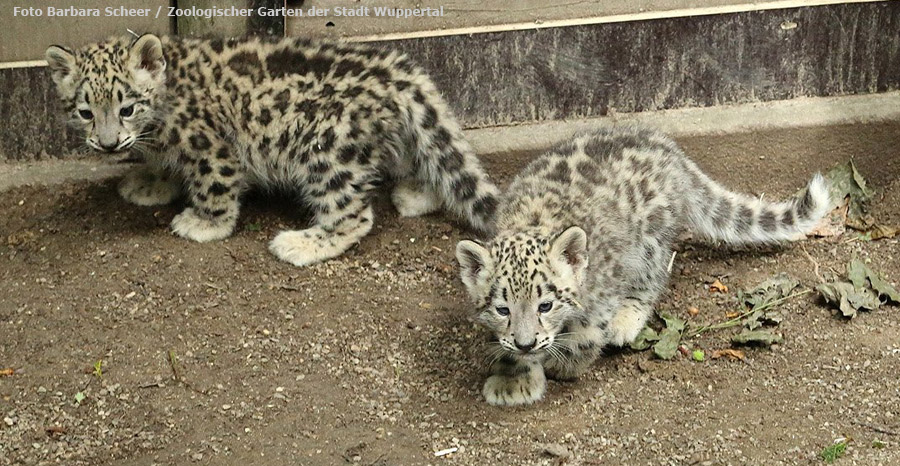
[
  {"x": 503, "y": 311},
  {"x": 127, "y": 111},
  {"x": 545, "y": 307},
  {"x": 86, "y": 114}
]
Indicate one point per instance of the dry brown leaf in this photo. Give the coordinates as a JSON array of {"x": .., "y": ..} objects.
[
  {"x": 718, "y": 287},
  {"x": 732, "y": 315},
  {"x": 879, "y": 231},
  {"x": 728, "y": 353},
  {"x": 56, "y": 430},
  {"x": 7, "y": 372},
  {"x": 693, "y": 311},
  {"x": 832, "y": 224}
]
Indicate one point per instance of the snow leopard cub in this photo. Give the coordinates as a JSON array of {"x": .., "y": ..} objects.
[
  {"x": 584, "y": 240},
  {"x": 326, "y": 120}
]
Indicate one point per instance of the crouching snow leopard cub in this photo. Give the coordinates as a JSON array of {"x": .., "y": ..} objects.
[
  {"x": 583, "y": 245},
  {"x": 326, "y": 120}
]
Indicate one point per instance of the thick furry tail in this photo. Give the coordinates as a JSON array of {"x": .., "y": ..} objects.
[
  {"x": 447, "y": 164},
  {"x": 719, "y": 214}
]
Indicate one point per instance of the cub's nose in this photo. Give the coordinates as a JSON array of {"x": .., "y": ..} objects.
[
  {"x": 526, "y": 347},
  {"x": 109, "y": 147}
]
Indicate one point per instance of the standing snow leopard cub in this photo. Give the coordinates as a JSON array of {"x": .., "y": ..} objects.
[
  {"x": 327, "y": 120},
  {"x": 584, "y": 239}
]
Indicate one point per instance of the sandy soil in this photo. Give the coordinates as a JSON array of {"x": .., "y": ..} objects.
[{"x": 370, "y": 360}]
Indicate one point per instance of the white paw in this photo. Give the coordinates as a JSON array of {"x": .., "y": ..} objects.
[
  {"x": 413, "y": 202},
  {"x": 189, "y": 225},
  {"x": 626, "y": 325},
  {"x": 306, "y": 247},
  {"x": 145, "y": 187},
  {"x": 501, "y": 390}
]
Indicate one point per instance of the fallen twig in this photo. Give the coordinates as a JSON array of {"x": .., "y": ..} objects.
[
  {"x": 172, "y": 364},
  {"x": 177, "y": 376},
  {"x": 880, "y": 430},
  {"x": 814, "y": 262},
  {"x": 737, "y": 320}
]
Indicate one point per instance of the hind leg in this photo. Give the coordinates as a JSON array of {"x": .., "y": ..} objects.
[
  {"x": 412, "y": 200},
  {"x": 319, "y": 243},
  {"x": 342, "y": 219}
]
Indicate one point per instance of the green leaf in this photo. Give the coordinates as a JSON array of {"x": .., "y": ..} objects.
[
  {"x": 849, "y": 298},
  {"x": 667, "y": 346},
  {"x": 757, "y": 337},
  {"x": 768, "y": 291},
  {"x": 253, "y": 227},
  {"x": 863, "y": 292},
  {"x": 669, "y": 337},
  {"x": 644, "y": 339},
  {"x": 79, "y": 397},
  {"x": 845, "y": 180},
  {"x": 834, "y": 451},
  {"x": 858, "y": 272},
  {"x": 698, "y": 355},
  {"x": 673, "y": 322}
]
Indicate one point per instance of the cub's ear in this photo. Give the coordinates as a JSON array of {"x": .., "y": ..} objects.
[
  {"x": 475, "y": 267},
  {"x": 146, "y": 58},
  {"x": 570, "y": 248},
  {"x": 62, "y": 65}
]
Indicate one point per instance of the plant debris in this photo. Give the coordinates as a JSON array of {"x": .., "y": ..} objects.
[
  {"x": 446, "y": 451},
  {"x": 669, "y": 337},
  {"x": 718, "y": 287},
  {"x": 757, "y": 337},
  {"x": 55, "y": 430},
  {"x": 698, "y": 355},
  {"x": 864, "y": 290},
  {"x": 666, "y": 343},
  {"x": 768, "y": 291},
  {"x": 729, "y": 353},
  {"x": 644, "y": 339},
  {"x": 845, "y": 182},
  {"x": 835, "y": 450},
  {"x": 848, "y": 188},
  {"x": 763, "y": 297}
]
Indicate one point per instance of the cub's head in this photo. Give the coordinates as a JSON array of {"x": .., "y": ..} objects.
[
  {"x": 525, "y": 286},
  {"x": 109, "y": 88}
]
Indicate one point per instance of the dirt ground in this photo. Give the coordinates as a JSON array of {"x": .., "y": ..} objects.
[{"x": 219, "y": 354}]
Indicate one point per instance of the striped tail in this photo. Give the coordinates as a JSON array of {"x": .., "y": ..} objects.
[
  {"x": 446, "y": 163},
  {"x": 719, "y": 214}
]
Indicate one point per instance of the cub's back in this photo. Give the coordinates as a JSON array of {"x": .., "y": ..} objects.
[{"x": 619, "y": 184}]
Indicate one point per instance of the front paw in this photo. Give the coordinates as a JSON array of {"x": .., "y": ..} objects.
[
  {"x": 627, "y": 324},
  {"x": 148, "y": 187},
  {"x": 502, "y": 390},
  {"x": 189, "y": 225}
]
